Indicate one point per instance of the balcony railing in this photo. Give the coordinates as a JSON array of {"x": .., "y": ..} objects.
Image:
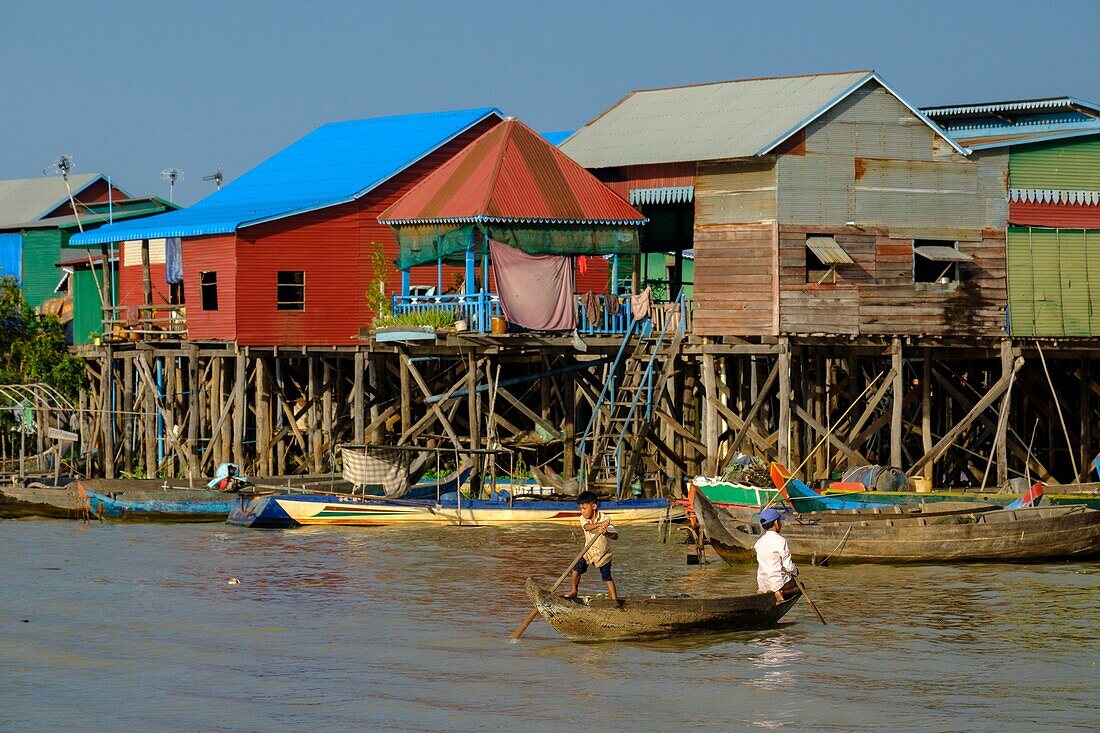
[
  {"x": 144, "y": 322},
  {"x": 478, "y": 309}
]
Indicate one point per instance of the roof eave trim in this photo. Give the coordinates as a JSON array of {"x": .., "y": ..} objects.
[
  {"x": 97, "y": 177},
  {"x": 1030, "y": 140},
  {"x": 509, "y": 220},
  {"x": 871, "y": 76}
]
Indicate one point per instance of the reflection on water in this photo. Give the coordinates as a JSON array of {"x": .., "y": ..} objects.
[{"x": 136, "y": 628}]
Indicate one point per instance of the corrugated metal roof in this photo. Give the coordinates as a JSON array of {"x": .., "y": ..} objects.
[
  {"x": 335, "y": 163},
  {"x": 511, "y": 174},
  {"x": 942, "y": 253},
  {"x": 828, "y": 251},
  {"x": 99, "y": 214},
  {"x": 1046, "y": 104},
  {"x": 735, "y": 119},
  {"x": 27, "y": 199}
]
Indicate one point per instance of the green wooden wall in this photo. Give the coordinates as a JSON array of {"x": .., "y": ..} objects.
[
  {"x": 1059, "y": 164},
  {"x": 87, "y": 309},
  {"x": 41, "y": 251},
  {"x": 1054, "y": 281}
]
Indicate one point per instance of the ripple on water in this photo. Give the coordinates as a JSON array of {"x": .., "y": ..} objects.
[{"x": 406, "y": 629}]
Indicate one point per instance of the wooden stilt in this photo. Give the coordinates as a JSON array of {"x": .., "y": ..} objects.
[
  {"x": 896, "y": 405},
  {"x": 710, "y": 416},
  {"x": 784, "y": 446},
  {"x": 358, "y": 400},
  {"x": 1000, "y": 440}
]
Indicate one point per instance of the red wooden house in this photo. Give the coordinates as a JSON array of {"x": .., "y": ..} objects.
[{"x": 283, "y": 255}]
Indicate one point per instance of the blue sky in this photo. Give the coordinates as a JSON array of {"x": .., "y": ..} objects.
[{"x": 132, "y": 88}]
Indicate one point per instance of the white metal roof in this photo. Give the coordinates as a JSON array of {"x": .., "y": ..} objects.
[
  {"x": 26, "y": 199},
  {"x": 733, "y": 119}
]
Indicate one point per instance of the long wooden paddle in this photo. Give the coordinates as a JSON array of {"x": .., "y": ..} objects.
[
  {"x": 527, "y": 621},
  {"x": 809, "y": 600}
]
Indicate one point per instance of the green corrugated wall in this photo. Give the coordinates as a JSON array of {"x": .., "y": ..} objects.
[
  {"x": 41, "y": 250},
  {"x": 1054, "y": 281},
  {"x": 87, "y": 310},
  {"x": 1058, "y": 164}
]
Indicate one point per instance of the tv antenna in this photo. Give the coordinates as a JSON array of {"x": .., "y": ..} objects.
[
  {"x": 171, "y": 175},
  {"x": 216, "y": 177},
  {"x": 62, "y": 166}
]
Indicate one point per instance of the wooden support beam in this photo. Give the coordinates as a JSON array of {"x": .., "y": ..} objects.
[
  {"x": 358, "y": 401},
  {"x": 1000, "y": 439},
  {"x": 240, "y": 408},
  {"x": 528, "y": 412},
  {"x": 710, "y": 416},
  {"x": 443, "y": 420},
  {"x": 689, "y": 439},
  {"x": 264, "y": 426},
  {"x": 869, "y": 410},
  {"x": 926, "y": 408},
  {"x": 823, "y": 431},
  {"x": 107, "y": 412},
  {"x": 195, "y": 395},
  {"x": 784, "y": 448},
  {"x": 760, "y": 396},
  {"x": 996, "y": 391},
  {"x": 896, "y": 405}
]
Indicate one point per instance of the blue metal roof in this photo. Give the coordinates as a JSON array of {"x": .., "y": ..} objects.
[
  {"x": 335, "y": 163},
  {"x": 555, "y": 138}
]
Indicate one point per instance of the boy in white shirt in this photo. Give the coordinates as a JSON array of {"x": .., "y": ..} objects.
[
  {"x": 595, "y": 524},
  {"x": 776, "y": 568}
]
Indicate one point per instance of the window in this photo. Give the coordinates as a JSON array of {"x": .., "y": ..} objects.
[
  {"x": 208, "y": 285},
  {"x": 823, "y": 255},
  {"x": 936, "y": 263},
  {"x": 291, "y": 290}
]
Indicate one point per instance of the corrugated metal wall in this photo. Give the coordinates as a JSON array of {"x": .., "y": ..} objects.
[
  {"x": 1054, "y": 281},
  {"x": 211, "y": 254},
  {"x": 87, "y": 307},
  {"x": 131, "y": 287},
  {"x": 1058, "y": 164},
  {"x": 735, "y": 191},
  {"x": 41, "y": 250},
  {"x": 1070, "y": 216},
  {"x": 11, "y": 255}
]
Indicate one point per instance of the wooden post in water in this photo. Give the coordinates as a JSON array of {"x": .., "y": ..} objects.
[
  {"x": 710, "y": 416},
  {"x": 1000, "y": 441},
  {"x": 357, "y": 398},
  {"x": 897, "y": 402},
  {"x": 783, "y": 447}
]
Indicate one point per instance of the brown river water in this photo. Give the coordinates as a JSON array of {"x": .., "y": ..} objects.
[{"x": 115, "y": 627}]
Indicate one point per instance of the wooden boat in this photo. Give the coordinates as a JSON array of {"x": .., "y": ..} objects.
[
  {"x": 291, "y": 510},
  {"x": 1032, "y": 534},
  {"x": 42, "y": 502},
  {"x": 597, "y": 619}
]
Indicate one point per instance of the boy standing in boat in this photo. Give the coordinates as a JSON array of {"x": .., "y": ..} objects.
[
  {"x": 776, "y": 568},
  {"x": 595, "y": 525}
]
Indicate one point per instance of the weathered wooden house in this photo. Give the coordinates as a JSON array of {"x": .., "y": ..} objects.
[
  {"x": 33, "y": 217},
  {"x": 822, "y": 204},
  {"x": 283, "y": 254},
  {"x": 1053, "y": 237}
]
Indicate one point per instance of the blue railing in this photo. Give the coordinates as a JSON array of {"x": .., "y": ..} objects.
[
  {"x": 476, "y": 309},
  {"x": 604, "y": 321}
]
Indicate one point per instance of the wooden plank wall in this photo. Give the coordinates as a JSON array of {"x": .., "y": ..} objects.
[{"x": 735, "y": 280}]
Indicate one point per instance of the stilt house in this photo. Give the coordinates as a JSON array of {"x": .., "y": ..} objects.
[{"x": 284, "y": 254}]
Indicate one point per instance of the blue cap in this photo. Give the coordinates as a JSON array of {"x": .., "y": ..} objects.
[{"x": 769, "y": 515}]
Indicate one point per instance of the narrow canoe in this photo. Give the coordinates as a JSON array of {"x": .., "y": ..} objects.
[
  {"x": 1021, "y": 535},
  {"x": 590, "y": 620}
]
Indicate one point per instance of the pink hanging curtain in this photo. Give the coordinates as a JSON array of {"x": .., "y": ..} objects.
[{"x": 536, "y": 291}]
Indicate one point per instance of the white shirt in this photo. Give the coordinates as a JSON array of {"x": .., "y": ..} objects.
[
  {"x": 776, "y": 566},
  {"x": 599, "y": 554}
]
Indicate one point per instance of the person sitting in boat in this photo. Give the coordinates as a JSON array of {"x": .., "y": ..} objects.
[
  {"x": 776, "y": 568},
  {"x": 596, "y": 527}
]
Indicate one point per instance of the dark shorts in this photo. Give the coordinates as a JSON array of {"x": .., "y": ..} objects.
[{"x": 582, "y": 567}]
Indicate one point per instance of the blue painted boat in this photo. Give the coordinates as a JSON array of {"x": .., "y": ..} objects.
[
  {"x": 290, "y": 510},
  {"x": 162, "y": 505}
]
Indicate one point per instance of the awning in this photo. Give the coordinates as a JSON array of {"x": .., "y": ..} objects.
[
  {"x": 942, "y": 253},
  {"x": 828, "y": 251},
  {"x": 662, "y": 195}
]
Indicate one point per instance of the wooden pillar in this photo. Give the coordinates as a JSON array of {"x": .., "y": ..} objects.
[
  {"x": 217, "y": 404},
  {"x": 195, "y": 394},
  {"x": 149, "y": 413},
  {"x": 357, "y": 398},
  {"x": 710, "y": 416},
  {"x": 174, "y": 462},
  {"x": 1088, "y": 450},
  {"x": 569, "y": 443},
  {"x": 406, "y": 396},
  {"x": 280, "y": 412},
  {"x": 327, "y": 423},
  {"x": 474, "y": 417},
  {"x": 1000, "y": 441},
  {"x": 926, "y": 411},
  {"x": 127, "y": 408},
  {"x": 315, "y": 455},
  {"x": 240, "y": 406},
  {"x": 146, "y": 275},
  {"x": 107, "y": 413},
  {"x": 377, "y": 379},
  {"x": 783, "y": 446},
  {"x": 896, "y": 405},
  {"x": 263, "y": 415}
]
